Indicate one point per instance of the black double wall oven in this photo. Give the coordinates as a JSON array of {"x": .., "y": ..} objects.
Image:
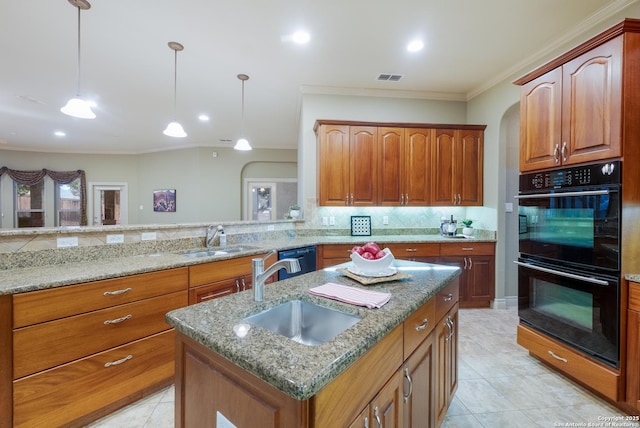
[{"x": 569, "y": 264}]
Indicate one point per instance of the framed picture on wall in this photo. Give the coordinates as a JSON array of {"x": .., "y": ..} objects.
[{"x": 164, "y": 200}]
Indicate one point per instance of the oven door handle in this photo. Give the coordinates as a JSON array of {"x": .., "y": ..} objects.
[
  {"x": 565, "y": 274},
  {"x": 562, "y": 195}
]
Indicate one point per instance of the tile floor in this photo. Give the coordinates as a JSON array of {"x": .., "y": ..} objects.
[{"x": 500, "y": 385}]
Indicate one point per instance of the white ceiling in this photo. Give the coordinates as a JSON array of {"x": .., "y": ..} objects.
[{"x": 127, "y": 67}]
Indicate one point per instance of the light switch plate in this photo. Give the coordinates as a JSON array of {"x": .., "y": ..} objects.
[
  {"x": 508, "y": 207},
  {"x": 325, "y": 221},
  {"x": 115, "y": 239},
  {"x": 148, "y": 236},
  {"x": 71, "y": 241}
]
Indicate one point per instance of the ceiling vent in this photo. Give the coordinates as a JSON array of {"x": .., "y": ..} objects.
[{"x": 390, "y": 77}]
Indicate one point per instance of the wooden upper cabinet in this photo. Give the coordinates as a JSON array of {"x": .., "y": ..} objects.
[
  {"x": 457, "y": 167},
  {"x": 592, "y": 104},
  {"x": 370, "y": 164},
  {"x": 572, "y": 114},
  {"x": 333, "y": 164},
  {"x": 363, "y": 156}
]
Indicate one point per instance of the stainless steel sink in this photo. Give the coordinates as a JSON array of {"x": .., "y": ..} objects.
[
  {"x": 304, "y": 322},
  {"x": 217, "y": 252}
]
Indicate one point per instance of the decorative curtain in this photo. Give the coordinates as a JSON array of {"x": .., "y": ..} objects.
[{"x": 61, "y": 177}]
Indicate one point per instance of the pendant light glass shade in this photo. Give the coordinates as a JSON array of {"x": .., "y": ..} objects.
[
  {"x": 174, "y": 129},
  {"x": 77, "y": 107},
  {"x": 242, "y": 143}
]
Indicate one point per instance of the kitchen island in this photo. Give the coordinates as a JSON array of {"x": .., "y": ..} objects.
[{"x": 265, "y": 379}]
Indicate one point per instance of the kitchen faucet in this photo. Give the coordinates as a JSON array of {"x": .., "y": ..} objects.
[
  {"x": 259, "y": 275},
  {"x": 212, "y": 233}
]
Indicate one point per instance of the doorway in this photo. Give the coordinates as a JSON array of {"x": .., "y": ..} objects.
[{"x": 109, "y": 204}]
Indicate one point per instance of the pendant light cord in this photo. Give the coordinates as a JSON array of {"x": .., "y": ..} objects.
[
  {"x": 175, "y": 83},
  {"x": 242, "y": 124},
  {"x": 79, "y": 74}
]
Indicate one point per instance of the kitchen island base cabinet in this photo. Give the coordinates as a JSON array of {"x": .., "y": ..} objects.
[{"x": 406, "y": 380}]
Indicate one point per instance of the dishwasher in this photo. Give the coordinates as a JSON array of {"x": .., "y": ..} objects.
[{"x": 305, "y": 255}]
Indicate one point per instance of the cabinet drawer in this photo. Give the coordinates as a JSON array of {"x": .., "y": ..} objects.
[
  {"x": 46, "y": 305},
  {"x": 337, "y": 251},
  {"x": 418, "y": 326},
  {"x": 570, "y": 362},
  {"x": 467, "y": 248},
  {"x": 447, "y": 297},
  {"x": 403, "y": 250},
  {"x": 59, "y": 396},
  {"x": 57, "y": 342},
  {"x": 207, "y": 273},
  {"x": 634, "y": 296}
]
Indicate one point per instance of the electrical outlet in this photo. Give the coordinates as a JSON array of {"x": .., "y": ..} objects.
[
  {"x": 385, "y": 219},
  {"x": 115, "y": 239},
  {"x": 332, "y": 221},
  {"x": 148, "y": 236},
  {"x": 508, "y": 207},
  {"x": 325, "y": 221},
  {"x": 71, "y": 241},
  {"x": 271, "y": 227}
]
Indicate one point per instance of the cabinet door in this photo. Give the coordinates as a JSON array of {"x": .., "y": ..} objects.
[
  {"x": 458, "y": 262},
  {"x": 468, "y": 168},
  {"x": 446, "y": 362},
  {"x": 333, "y": 165},
  {"x": 541, "y": 121},
  {"x": 480, "y": 285},
  {"x": 362, "y": 421},
  {"x": 417, "y": 171},
  {"x": 419, "y": 386},
  {"x": 633, "y": 359},
  {"x": 442, "y": 160},
  {"x": 363, "y": 159},
  {"x": 386, "y": 409},
  {"x": 592, "y": 104},
  {"x": 391, "y": 165}
]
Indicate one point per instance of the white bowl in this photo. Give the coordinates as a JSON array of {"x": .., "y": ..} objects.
[{"x": 372, "y": 266}]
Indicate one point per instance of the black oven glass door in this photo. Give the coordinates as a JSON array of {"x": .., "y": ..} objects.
[
  {"x": 578, "y": 227},
  {"x": 582, "y": 311}
]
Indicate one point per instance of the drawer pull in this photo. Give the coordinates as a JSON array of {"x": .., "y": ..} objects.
[
  {"x": 117, "y": 292},
  {"x": 117, "y": 362},
  {"x": 118, "y": 320},
  {"x": 376, "y": 413},
  {"x": 467, "y": 248},
  {"x": 448, "y": 297},
  {"x": 411, "y": 250},
  {"x": 422, "y": 326},
  {"x": 564, "y": 360}
]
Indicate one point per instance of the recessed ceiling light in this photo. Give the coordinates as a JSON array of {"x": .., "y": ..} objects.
[
  {"x": 415, "y": 46},
  {"x": 301, "y": 37},
  {"x": 60, "y": 134},
  {"x": 203, "y": 118}
]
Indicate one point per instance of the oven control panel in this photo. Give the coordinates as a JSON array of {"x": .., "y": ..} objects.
[{"x": 572, "y": 177}]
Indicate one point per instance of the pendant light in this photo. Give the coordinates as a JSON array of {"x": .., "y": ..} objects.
[
  {"x": 78, "y": 107},
  {"x": 242, "y": 143},
  {"x": 174, "y": 129}
]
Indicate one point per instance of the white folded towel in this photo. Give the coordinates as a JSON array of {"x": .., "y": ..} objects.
[{"x": 353, "y": 295}]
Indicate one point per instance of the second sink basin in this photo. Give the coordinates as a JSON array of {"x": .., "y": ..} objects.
[
  {"x": 216, "y": 252},
  {"x": 304, "y": 322}
]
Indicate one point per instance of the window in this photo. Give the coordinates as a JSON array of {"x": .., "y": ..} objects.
[
  {"x": 67, "y": 203},
  {"x": 29, "y": 204}
]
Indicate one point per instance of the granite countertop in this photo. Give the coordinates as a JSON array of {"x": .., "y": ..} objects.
[
  {"x": 635, "y": 277},
  {"x": 298, "y": 370},
  {"x": 23, "y": 280}
]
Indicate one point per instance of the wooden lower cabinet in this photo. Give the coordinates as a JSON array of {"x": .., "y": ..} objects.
[
  {"x": 417, "y": 252},
  {"x": 78, "y": 353},
  {"x": 332, "y": 254},
  {"x": 633, "y": 346},
  {"x": 570, "y": 362},
  {"x": 83, "y": 390},
  {"x": 406, "y": 380},
  {"x": 477, "y": 262}
]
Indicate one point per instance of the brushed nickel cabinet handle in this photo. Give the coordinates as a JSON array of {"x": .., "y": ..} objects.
[
  {"x": 564, "y": 360},
  {"x": 118, "y": 320},
  {"x": 425, "y": 323},
  {"x": 465, "y": 263},
  {"x": 237, "y": 286},
  {"x": 564, "y": 151},
  {"x": 448, "y": 297},
  {"x": 117, "y": 292},
  {"x": 118, "y": 362},
  {"x": 366, "y": 422},
  {"x": 556, "y": 151},
  {"x": 411, "y": 250},
  {"x": 408, "y": 377},
  {"x": 244, "y": 285},
  {"x": 376, "y": 413},
  {"x": 470, "y": 263}
]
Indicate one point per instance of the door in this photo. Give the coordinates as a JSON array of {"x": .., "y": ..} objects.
[
  {"x": 417, "y": 166},
  {"x": 386, "y": 409},
  {"x": 109, "y": 204},
  {"x": 363, "y": 157},
  {"x": 333, "y": 165},
  {"x": 391, "y": 174},
  {"x": 419, "y": 386}
]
